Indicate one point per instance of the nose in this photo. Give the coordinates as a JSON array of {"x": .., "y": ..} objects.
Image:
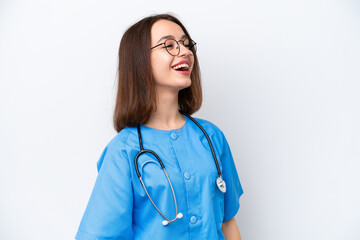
[{"x": 184, "y": 51}]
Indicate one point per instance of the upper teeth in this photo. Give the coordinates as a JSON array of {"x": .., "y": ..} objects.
[{"x": 184, "y": 65}]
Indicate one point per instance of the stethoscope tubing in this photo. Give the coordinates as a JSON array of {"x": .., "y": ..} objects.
[
  {"x": 208, "y": 139},
  {"x": 173, "y": 193},
  {"x": 143, "y": 151}
]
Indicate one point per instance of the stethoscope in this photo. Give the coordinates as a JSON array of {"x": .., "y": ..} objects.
[{"x": 219, "y": 181}]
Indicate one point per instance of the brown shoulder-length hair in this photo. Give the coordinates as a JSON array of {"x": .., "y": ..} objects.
[{"x": 136, "y": 93}]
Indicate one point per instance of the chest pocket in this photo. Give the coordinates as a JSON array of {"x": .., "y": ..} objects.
[{"x": 217, "y": 199}]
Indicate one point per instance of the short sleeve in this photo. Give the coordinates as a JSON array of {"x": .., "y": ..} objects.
[
  {"x": 108, "y": 215},
  {"x": 231, "y": 178}
]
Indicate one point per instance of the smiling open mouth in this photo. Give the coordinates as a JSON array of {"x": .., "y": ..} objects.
[{"x": 181, "y": 67}]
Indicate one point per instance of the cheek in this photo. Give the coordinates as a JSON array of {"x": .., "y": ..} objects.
[{"x": 160, "y": 65}]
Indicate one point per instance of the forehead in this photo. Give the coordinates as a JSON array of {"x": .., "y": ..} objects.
[{"x": 163, "y": 28}]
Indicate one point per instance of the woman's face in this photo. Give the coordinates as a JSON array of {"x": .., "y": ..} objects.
[{"x": 163, "y": 65}]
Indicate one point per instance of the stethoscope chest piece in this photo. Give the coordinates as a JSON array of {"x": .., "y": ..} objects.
[{"x": 221, "y": 184}]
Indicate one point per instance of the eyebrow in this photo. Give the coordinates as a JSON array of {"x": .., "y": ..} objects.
[{"x": 172, "y": 37}]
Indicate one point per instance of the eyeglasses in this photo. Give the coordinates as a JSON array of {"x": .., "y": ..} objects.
[{"x": 173, "y": 47}]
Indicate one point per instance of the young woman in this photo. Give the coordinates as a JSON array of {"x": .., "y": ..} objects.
[{"x": 164, "y": 175}]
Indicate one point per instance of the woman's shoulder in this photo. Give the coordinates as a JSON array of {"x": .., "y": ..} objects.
[
  {"x": 212, "y": 130},
  {"x": 216, "y": 135},
  {"x": 209, "y": 126},
  {"x": 116, "y": 149},
  {"x": 121, "y": 138}
]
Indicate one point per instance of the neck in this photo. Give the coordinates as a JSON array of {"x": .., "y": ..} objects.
[{"x": 167, "y": 115}]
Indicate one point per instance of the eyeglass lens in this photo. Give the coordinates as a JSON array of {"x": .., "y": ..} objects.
[{"x": 173, "y": 48}]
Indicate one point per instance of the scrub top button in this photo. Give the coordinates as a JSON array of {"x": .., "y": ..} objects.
[
  {"x": 187, "y": 175},
  {"x": 173, "y": 136},
  {"x": 193, "y": 219}
]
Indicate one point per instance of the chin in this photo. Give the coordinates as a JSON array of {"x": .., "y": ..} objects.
[
  {"x": 186, "y": 84},
  {"x": 176, "y": 84}
]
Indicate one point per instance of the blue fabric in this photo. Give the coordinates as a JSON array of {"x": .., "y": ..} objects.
[{"x": 119, "y": 207}]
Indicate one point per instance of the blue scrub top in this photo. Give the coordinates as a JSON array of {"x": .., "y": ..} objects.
[{"x": 119, "y": 207}]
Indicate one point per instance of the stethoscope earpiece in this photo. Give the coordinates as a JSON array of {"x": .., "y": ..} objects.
[{"x": 166, "y": 222}]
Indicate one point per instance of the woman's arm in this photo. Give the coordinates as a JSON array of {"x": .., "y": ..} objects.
[{"x": 231, "y": 230}]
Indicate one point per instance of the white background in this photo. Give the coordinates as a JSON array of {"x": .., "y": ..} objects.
[{"x": 280, "y": 78}]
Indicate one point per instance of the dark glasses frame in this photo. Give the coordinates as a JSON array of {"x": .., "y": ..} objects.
[{"x": 191, "y": 46}]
